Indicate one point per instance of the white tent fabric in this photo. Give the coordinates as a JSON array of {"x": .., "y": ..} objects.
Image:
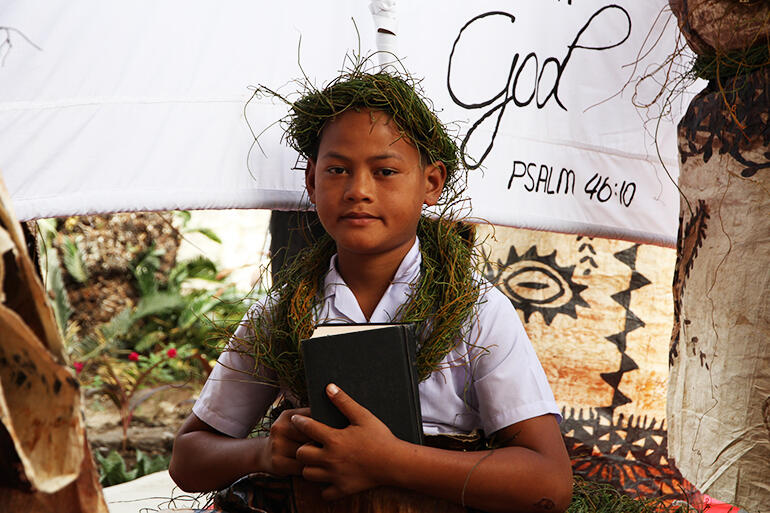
[{"x": 141, "y": 105}]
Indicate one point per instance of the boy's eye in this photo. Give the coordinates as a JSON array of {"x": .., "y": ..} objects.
[
  {"x": 387, "y": 171},
  {"x": 336, "y": 170}
]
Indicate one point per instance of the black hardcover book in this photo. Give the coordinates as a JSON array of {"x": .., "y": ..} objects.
[{"x": 375, "y": 364}]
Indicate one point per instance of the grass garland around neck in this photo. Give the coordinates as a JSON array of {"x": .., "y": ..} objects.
[{"x": 441, "y": 305}]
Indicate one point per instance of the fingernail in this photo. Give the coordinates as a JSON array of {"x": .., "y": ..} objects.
[{"x": 332, "y": 389}]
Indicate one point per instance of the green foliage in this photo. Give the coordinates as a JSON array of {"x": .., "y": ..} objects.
[
  {"x": 184, "y": 216},
  {"x": 72, "y": 255},
  {"x": 184, "y": 307},
  {"x": 157, "y": 303},
  {"x": 199, "y": 267},
  {"x": 188, "y": 320},
  {"x": 144, "y": 267},
  {"x": 207, "y": 232},
  {"x": 61, "y": 304},
  {"x": 724, "y": 66},
  {"x": 589, "y": 497},
  {"x": 113, "y": 470},
  {"x": 172, "y": 310},
  {"x": 162, "y": 368},
  {"x": 54, "y": 280},
  {"x": 169, "y": 335}
]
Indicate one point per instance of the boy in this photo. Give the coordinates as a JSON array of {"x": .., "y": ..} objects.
[{"x": 373, "y": 162}]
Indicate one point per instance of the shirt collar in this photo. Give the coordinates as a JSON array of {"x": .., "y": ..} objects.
[{"x": 341, "y": 305}]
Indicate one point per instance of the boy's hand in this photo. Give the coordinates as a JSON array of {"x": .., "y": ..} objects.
[
  {"x": 284, "y": 441},
  {"x": 349, "y": 458}
]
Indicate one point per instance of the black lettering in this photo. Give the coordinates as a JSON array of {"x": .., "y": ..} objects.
[
  {"x": 504, "y": 90},
  {"x": 542, "y": 177},
  {"x": 549, "y": 60},
  {"x": 567, "y": 175},
  {"x": 574, "y": 45},
  {"x": 509, "y": 92},
  {"x": 531, "y": 179},
  {"x": 548, "y": 184},
  {"x": 516, "y": 81},
  {"x": 464, "y": 142},
  {"x": 513, "y": 173}
]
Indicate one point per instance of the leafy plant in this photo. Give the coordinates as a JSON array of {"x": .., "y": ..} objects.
[
  {"x": 72, "y": 255},
  {"x": 143, "y": 267},
  {"x": 185, "y": 217},
  {"x": 183, "y": 307},
  {"x": 178, "y": 310},
  {"x": 113, "y": 470},
  {"x": 54, "y": 281},
  {"x": 123, "y": 384}
]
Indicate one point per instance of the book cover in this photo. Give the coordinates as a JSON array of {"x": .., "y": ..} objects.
[{"x": 375, "y": 364}]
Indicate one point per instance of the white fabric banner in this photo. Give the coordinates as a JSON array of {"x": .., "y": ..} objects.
[{"x": 118, "y": 106}]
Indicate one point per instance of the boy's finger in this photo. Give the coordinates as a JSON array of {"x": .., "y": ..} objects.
[
  {"x": 296, "y": 435},
  {"x": 344, "y": 403},
  {"x": 285, "y": 429},
  {"x": 310, "y": 454},
  {"x": 317, "y": 474},
  {"x": 311, "y": 428}
]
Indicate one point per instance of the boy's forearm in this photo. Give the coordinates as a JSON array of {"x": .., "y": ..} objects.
[
  {"x": 534, "y": 475},
  {"x": 504, "y": 479},
  {"x": 203, "y": 461}
]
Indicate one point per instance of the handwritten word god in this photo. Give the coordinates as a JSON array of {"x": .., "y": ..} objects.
[{"x": 523, "y": 94}]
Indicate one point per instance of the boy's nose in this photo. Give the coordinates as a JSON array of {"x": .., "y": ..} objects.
[{"x": 359, "y": 187}]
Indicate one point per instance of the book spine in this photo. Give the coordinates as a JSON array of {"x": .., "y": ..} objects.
[{"x": 410, "y": 342}]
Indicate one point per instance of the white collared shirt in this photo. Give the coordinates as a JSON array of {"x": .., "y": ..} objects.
[{"x": 490, "y": 380}]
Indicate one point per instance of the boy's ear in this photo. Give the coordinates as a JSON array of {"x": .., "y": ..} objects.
[
  {"x": 310, "y": 180},
  {"x": 435, "y": 177}
]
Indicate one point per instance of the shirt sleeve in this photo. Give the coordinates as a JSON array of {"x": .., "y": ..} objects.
[
  {"x": 233, "y": 400},
  {"x": 508, "y": 381}
]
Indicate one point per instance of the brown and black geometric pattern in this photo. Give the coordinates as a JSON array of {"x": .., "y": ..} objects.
[
  {"x": 631, "y": 323},
  {"x": 628, "y": 453},
  {"x": 730, "y": 117},
  {"x": 536, "y": 283},
  {"x": 690, "y": 239}
]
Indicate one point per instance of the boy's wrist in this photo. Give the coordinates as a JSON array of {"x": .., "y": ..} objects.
[
  {"x": 389, "y": 470},
  {"x": 260, "y": 455}
]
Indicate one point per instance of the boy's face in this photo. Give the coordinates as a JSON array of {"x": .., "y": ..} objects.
[{"x": 369, "y": 186}]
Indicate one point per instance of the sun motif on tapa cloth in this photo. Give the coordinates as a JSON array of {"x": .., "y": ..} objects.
[{"x": 536, "y": 283}]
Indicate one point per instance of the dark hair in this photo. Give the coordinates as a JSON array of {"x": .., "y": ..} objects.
[{"x": 399, "y": 96}]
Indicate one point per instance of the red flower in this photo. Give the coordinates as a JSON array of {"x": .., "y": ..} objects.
[
  {"x": 78, "y": 367},
  {"x": 171, "y": 353},
  {"x": 134, "y": 356}
]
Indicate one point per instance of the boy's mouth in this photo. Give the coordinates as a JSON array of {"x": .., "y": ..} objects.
[{"x": 359, "y": 217}]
